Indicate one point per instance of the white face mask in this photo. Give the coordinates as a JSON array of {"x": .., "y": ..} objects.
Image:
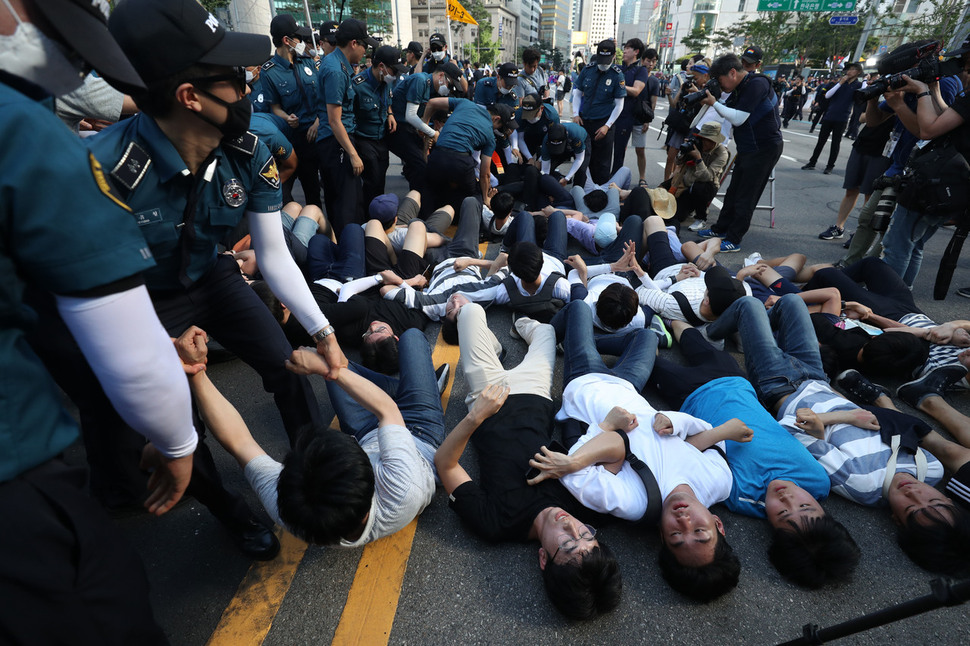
[
  {"x": 389, "y": 78},
  {"x": 249, "y": 77},
  {"x": 299, "y": 48},
  {"x": 603, "y": 68},
  {"x": 504, "y": 90},
  {"x": 32, "y": 56},
  {"x": 532, "y": 120},
  {"x": 438, "y": 56},
  {"x": 312, "y": 53},
  {"x": 444, "y": 90}
]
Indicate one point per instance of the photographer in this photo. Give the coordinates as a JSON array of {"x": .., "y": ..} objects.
[
  {"x": 752, "y": 111},
  {"x": 793, "y": 100},
  {"x": 697, "y": 173},
  {"x": 682, "y": 113},
  {"x": 836, "y": 118}
]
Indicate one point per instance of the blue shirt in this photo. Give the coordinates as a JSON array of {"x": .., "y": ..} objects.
[
  {"x": 415, "y": 88},
  {"x": 576, "y": 137},
  {"x": 772, "y": 454},
  {"x": 632, "y": 74},
  {"x": 265, "y": 126},
  {"x": 371, "y": 105},
  {"x": 469, "y": 128},
  {"x": 65, "y": 230},
  {"x": 840, "y": 104},
  {"x": 335, "y": 73},
  {"x": 599, "y": 90},
  {"x": 762, "y": 129},
  {"x": 487, "y": 93},
  {"x": 292, "y": 86},
  {"x": 245, "y": 178}
]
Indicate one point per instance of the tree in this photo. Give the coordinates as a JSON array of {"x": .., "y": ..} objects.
[
  {"x": 212, "y": 5},
  {"x": 484, "y": 49},
  {"x": 374, "y": 13},
  {"x": 721, "y": 41},
  {"x": 696, "y": 40}
]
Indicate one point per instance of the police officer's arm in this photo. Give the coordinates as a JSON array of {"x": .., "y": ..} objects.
[
  {"x": 605, "y": 128},
  {"x": 577, "y": 105},
  {"x": 334, "y": 113},
  {"x": 415, "y": 121},
  {"x": 287, "y": 282},
  {"x": 291, "y": 119},
  {"x": 523, "y": 148},
  {"x": 484, "y": 169},
  {"x": 577, "y": 163},
  {"x": 287, "y": 166},
  {"x": 121, "y": 337}
]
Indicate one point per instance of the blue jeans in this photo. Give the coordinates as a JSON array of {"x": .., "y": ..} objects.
[
  {"x": 903, "y": 244},
  {"x": 636, "y": 350},
  {"x": 415, "y": 391},
  {"x": 523, "y": 229},
  {"x": 775, "y": 367},
  {"x": 340, "y": 262}
]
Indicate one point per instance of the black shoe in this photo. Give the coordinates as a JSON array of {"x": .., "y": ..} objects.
[
  {"x": 441, "y": 376},
  {"x": 254, "y": 540},
  {"x": 848, "y": 243},
  {"x": 828, "y": 170},
  {"x": 964, "y": 292},
  {"x": 809, "y": 166},
  {"x": 861, "y": 389},
  {"x": 934, "y": 382}
]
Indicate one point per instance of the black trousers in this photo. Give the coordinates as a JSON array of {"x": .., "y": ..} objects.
[
  {"x": 454, "y": 178},
  {"x": 408, "y": 145},
  {"x": 600, "y": 152},
  {"x": 342, "y": 190},
  {"x": 374, "y": 154},
  {"x": 748, "y": 182},
  {"x": 835, "y": 129},
  {"x": 852, "y": 130},
  {"x": 695, "y": 199},
  {"x": 637, "y": 203},
  {"x": 307, "y": 170},
  {"x": 705, "y": 363},
  {"x": 68, "y": 575},
  {"x": 624, "y": 130}
]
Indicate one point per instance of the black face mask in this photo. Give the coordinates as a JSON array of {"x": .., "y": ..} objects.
[{"x": 237, "y": 117}]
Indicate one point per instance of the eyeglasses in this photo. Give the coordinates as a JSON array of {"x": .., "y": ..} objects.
[
  {"x": 570, "y": 544},
  {"x": 379, "y": 329},
  {"x": 237, "y": 76}
]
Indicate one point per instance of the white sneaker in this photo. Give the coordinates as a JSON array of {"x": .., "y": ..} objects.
[
  {"x": 752, "y": 259},
  {"x": 697, "y": 225}
]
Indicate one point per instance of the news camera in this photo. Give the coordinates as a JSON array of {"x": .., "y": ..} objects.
[{"x": 918, "y": 61}]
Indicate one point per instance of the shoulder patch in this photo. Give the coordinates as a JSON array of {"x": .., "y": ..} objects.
[
  {"x": 270, "y": 174},
  {"x": 103, "y": 184},
  {"x": 131, "y": 168},
  {"x": 358, "y": 79},
  {"x": 268, "y": 65},
  {"x": 245, "y": 143}
]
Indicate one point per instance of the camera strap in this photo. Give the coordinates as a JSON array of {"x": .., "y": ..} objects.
[{"x": 950, "y": 257}]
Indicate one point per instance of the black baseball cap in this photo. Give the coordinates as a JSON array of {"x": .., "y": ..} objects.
[
  {"x": 508, "y": 70},
  {"x": 281, "y": 25},
  {"x": 452, "y": 72},
  {"x": 530, "y": 104},
  {"x": 390, "y": 57},
  {"x": 752, "y": 54},
  {"x": 506, "y": 114},
  {"x": 305, "y": 34},
  {"x": 83, "y": 25},
  {"x": 353, "y": 29},
  {"x": 163, "y": 37},
  {"x": 415, "y": 48},
  {"x": 437, "y": 39},
  {"x": 556, "y": 139},
  {"x": 328, "y": 31},
  {"x": 605, "y": 52}
]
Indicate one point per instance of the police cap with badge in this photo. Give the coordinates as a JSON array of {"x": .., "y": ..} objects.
[{"x": 508, "y": 71}]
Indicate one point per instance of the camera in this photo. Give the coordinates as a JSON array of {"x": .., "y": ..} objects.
[
  {"x": 688, "y": 145},
  {"x": 711, "y": 86},
  {"x": 916, "y": 60},
  {"x": 886, "y": 204}
]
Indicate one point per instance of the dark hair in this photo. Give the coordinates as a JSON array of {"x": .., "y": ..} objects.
[
  {"x": 449, "y": 330},
  {"x": 596, "y": 200},
  {"x": 587, "y": 589},
  {"x": 617, "y": 305},
  {"x": 896, "y": 355},
  {"x": 158, "y": 99},
  {"x": 683, "y": 64},
  {"x": 530, "y": 55},
  {"x": 580, "y": 66},
  {"x": 704, "y": 583},
  {"x": 525, "y": 260},
  {"x": 381, "y": 355},
  {"x": 637, "y": 44},
  {"x": 325, "y": 488},
  {"x": 269, "y": 299},
  {"x": 650, "y": 52},
  {"x": 502, "y": 203},
  {"x": 343, "y": 39},
  {"x": 724, "y": 64},
  {"x": 815, "y": 553},
  {"x": 935, "y": 544}
]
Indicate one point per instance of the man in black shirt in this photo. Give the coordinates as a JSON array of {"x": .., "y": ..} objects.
[{"x": 510, "y": 418}]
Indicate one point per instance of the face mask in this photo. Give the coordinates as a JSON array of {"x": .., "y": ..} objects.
[
  {"x": 603, "y": 68},
  {"x": 504, "y": 90},
  {"x": 533, "y": 119},
  {"x": 438, "y": 56},
  {"x": 237, "y": 119},
  {"x": 299, "y": 48},
  {"x": 389, "y": 78},
  {"x": 249, "y": 77},
  {"x": 444, "y": 90},
  {"x": 312, "y": 53},
  {"x": 32, "y": 56}
]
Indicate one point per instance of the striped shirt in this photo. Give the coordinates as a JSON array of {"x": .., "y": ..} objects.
[
  {"x": 854, "y": 458},
  {"x": 940, "y": 355}
]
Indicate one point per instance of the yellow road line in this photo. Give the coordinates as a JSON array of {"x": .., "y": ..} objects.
[{"x": 250, "y": 614}]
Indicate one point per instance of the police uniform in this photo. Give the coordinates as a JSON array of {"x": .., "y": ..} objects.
[
  {"x": 68, "y": 236},
  {"x": 534, "y": 133},
  {"x": 599, "y": 90},
  {"x": 487, "y": 93},
  {"x": 451, "y": 164},
  {"x": 295, "y": 88},
  {"x": 266, "y": 126},
  {"x": 406, "y": 142},
  {"x": 341, "y": 188},
  {"x": 372, "y": 104},
  {"x": 576, "y": 139}
]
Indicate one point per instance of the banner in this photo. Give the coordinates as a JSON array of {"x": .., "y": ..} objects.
[{"x": 458, "y": 13}]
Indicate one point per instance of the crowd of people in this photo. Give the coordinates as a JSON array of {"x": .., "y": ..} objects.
[{"x": 189, "y": 227}]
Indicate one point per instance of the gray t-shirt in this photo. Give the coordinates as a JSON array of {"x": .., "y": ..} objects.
[
  {"x": 95, "y": 99},
  {"x": 404, "y": 481},
  {"x": 532, "y": 83}
]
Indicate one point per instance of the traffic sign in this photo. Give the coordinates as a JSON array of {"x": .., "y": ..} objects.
[
  {"x": 807, "y": 5},
  {"x": 843, "y": 20},
  {"x": 670, "y": 26}
]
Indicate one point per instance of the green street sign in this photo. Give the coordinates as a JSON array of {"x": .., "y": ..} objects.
[{"x": 806, "y": 5}]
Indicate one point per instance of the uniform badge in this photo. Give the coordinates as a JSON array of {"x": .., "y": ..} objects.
[
  {"x": 233, "y": 193},
  {"x": 609, "y": 82},
  {"x": 307, "y": 71},
  {"x": 270, "y": 173},
  {"x": 358, "y": 80},
  {"x": 104, "y": 185}
]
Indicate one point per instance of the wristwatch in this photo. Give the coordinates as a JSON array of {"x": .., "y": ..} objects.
[{"x": 322, "y": 334}]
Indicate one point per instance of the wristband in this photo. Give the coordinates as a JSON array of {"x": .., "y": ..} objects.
[
  {"x": 921, "y": 95},
  {"x": 322, "y": 334}
]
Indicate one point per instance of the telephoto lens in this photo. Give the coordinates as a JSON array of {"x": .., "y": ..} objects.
[{"x": 884, "y": 209}]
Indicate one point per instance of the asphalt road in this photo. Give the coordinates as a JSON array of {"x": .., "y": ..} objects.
[{"x": 456, "y": 589}]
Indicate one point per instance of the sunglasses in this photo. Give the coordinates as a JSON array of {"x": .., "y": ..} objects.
[{"x": 237, "y": 77}]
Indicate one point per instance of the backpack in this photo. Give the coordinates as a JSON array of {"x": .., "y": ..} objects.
[
  {"x": 567, "y": 85},
  {"x": 936, "y": 180},
  {"x": 541, "y": 306},
  {"x": 642, "y": 110}
]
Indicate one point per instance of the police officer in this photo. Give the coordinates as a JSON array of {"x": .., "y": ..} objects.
[
  {"x": 375, "y": 117},
  {"x": 266, "y": 127},
  {"x": 412, "y": 56},
  {"x": 598, "y": 102},
  {"x": 289, "y": 85},
  {"x": 75, "y": 239},
  {"x": 534, "y": 119},
  {"x": 340, "y": 163},
  {"x": 565, "y": 141},
  {"x": 502, "y": 88},
  {"x": 328, "y": 37},
  {"x": 437, "y": 57}
]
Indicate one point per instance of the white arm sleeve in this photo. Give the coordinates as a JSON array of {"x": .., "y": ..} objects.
[
  {"x": 416, "y": 122},
  {"x": 617, "y": 109},
  {"x": 831, "y": 92},
  {"x": 514, "y": 140},
  {"x": 577, "y": 162},
  {"x": 577, "y": 100},
  {"x": 136, "y": 364},
  {"x": 735, "y": 117},
  {"x": 509, "y": 157},
  {"x": 281, "y": 273},
  {"x": 546, "y": 166},
  {"x": 354, "y": 287},
  {"x": 522, "y": 147}
]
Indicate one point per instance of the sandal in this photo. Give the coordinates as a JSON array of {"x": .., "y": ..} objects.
[{"x": 643, "y": 182}]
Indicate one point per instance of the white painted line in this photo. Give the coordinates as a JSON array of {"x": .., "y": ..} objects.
[
  {"x": 791, "y": 159},
  {"x": 718, "y": 203}
]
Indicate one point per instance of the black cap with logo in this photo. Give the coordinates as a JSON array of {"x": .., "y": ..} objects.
[
  {"x": 752, "y": 54},
  {"x": 328, "y": 31},
  {"x": 605, "y": 52},
  {"x": 353, "y": 29},
  {"x": 508, "y": 70},
  {"x": 281, "y": 25},
  {"x": 391, "y": 58},
  {"x": 556, "y": 139}
]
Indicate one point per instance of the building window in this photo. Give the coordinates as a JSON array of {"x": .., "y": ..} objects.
[{"x": 741, "y": 5}]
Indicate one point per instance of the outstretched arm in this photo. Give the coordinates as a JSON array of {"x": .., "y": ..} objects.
[
  {"x": 733, "y": 429},
  {"x": 446, "y": 458}
]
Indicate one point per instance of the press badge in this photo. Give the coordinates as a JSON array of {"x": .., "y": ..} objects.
[{"x": 145, "y": 218}]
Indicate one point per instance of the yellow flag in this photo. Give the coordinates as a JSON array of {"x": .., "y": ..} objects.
[{"x": 459, "y": 14}]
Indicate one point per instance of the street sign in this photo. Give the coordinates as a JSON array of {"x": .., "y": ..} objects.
[
  {"x": 882, "y": 49},
  {"x": 670, "y": 26},
  {"x": 843, "y": 20},
  {"x": 807, "y": 5}
]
